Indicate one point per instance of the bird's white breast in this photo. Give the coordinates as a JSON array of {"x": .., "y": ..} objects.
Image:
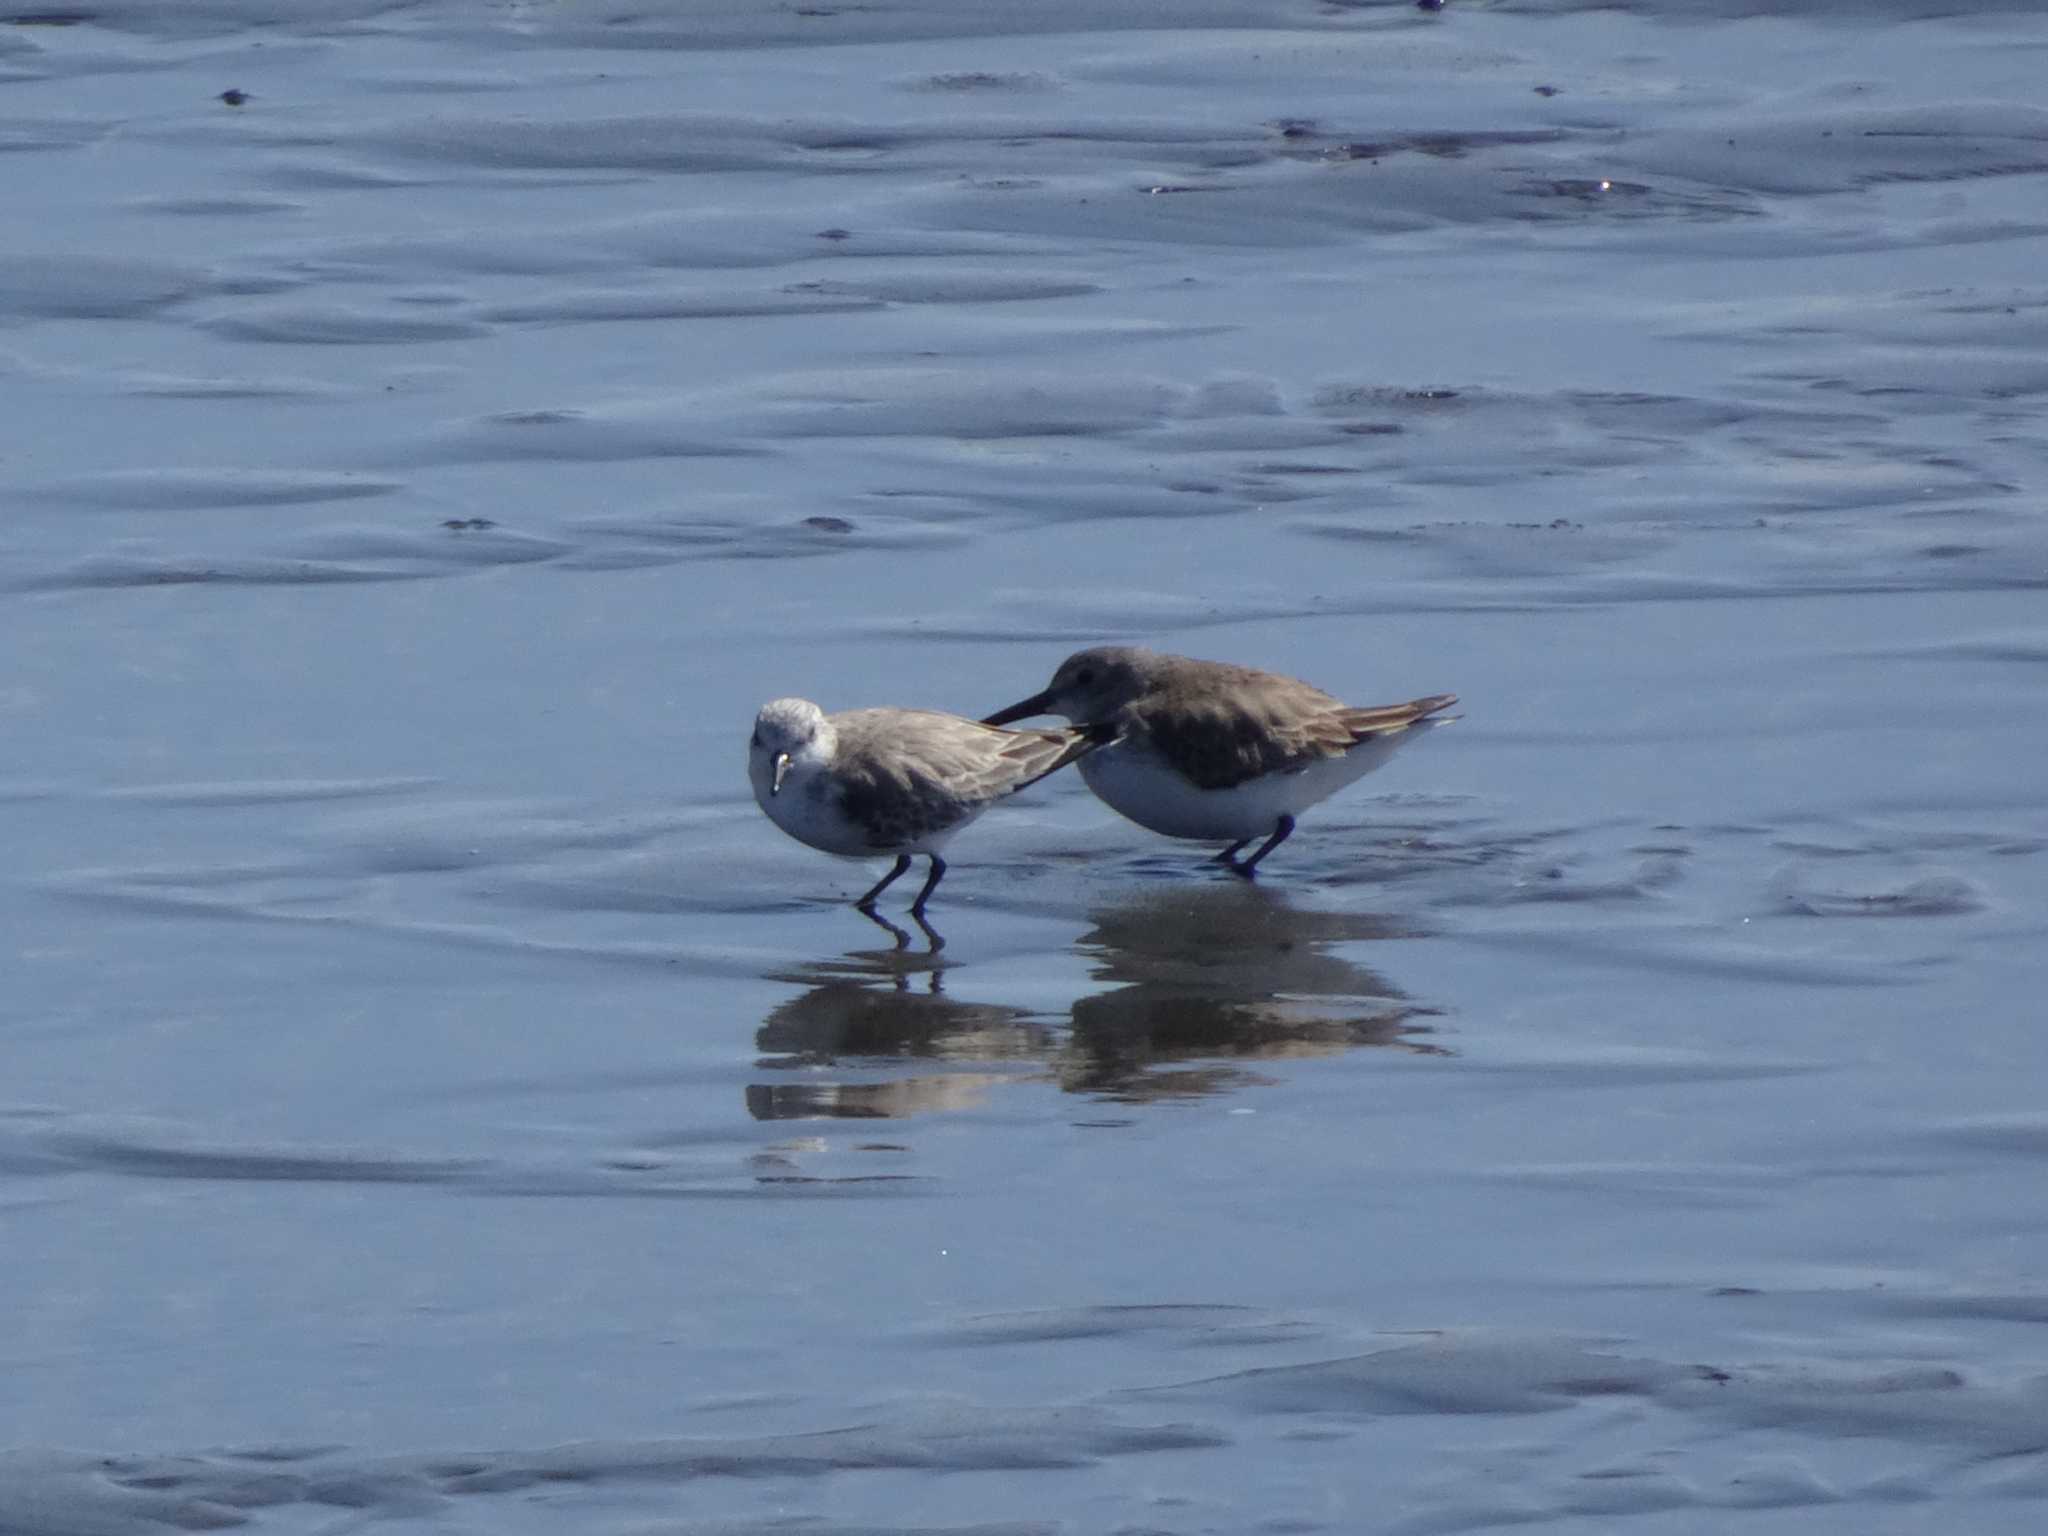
[
  {"x": 808, "y": 810},
  {"x": 1133, "y": 780},
  {"x": 811, "y": 810}
]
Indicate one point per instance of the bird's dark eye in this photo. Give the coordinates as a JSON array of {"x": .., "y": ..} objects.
[
  {"x": 1084, "y": 677},
  {"x": 756, "y": 743}
]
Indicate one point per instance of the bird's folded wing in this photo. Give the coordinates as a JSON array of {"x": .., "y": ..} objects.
[
  {"x": 1394, "y": 717},
  {"x": 916, "y": 772},
  {"x": 1226, "y": 742}
]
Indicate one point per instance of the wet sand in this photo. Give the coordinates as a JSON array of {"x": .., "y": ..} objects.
[{"x": 435, "y": 1096}]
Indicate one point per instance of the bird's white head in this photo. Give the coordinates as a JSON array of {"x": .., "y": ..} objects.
[{"x": 789, "y": 734}]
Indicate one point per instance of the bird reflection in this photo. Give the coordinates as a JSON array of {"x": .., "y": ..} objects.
[
  {"x": 1213, "y": 976},
  {"x": 886, "y": 1005},
  {"x": 902, "y": 936},
  {"x": 1205, "y": 978}
]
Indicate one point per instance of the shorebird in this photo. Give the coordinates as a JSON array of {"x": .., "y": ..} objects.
[
  {"x": 871, "y": 782},
  {"x": 1206, "y": 750}
]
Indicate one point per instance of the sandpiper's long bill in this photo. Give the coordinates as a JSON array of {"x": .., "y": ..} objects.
[
  {"x": 1216, "y": 752},
  {"x": 872, "y": 782}
]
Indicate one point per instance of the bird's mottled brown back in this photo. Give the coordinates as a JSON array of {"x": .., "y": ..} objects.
[
  {"x": 904, "y": 774},
  {"x": 1222, "y": 725}
]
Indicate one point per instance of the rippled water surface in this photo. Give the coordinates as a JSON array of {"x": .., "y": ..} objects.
[{"x": 433, "y": 1097}]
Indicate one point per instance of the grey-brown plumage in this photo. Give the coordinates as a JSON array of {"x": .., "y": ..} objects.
[
  {"x": 904, "y": 775},
  {"x": 1208, "y": 749},
  {"x": 880, "y": 781},
  {"x": 1223, "y": 725}
]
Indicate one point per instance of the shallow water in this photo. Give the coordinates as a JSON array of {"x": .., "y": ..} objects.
[{"x": 435, "y": 1096}]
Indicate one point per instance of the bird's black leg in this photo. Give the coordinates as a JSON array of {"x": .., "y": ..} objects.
[
  {"x": 1229, "y": 855},
  {"x": 1281, "y": 830},
  {"x": 881, "y": 885},
  {"x": 932, "y": 884}
]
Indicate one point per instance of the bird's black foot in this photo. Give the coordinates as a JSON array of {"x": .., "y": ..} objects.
[
  {"x": 867, "y": 902},
  {"x": 1282, "y": 830}
]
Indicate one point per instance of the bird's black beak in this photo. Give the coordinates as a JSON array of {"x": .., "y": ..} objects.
[
  {"x": 1023, "y": 709},
  {"x": 781, "y": 773}
]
